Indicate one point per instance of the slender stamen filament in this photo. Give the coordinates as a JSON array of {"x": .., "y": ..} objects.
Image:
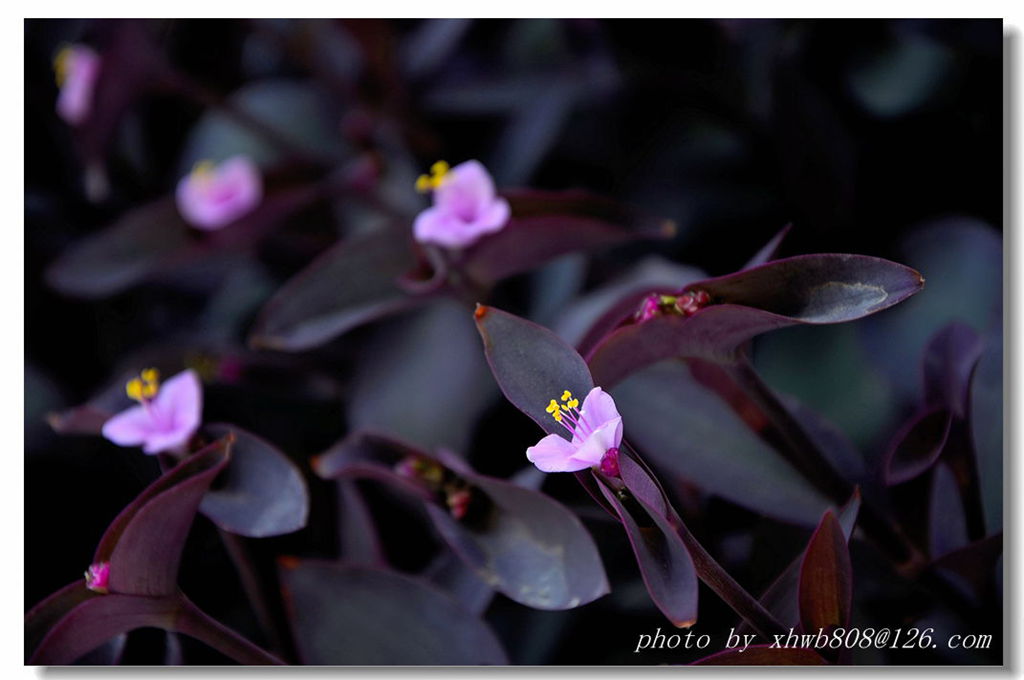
[{"x": 569, "y": 415}]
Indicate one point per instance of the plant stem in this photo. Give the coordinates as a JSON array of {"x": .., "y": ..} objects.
[
  {"x": 195, "y": 623},
  {"x": 250, "y": 580},
  {"x": 804, "y": 454},
  {"x": 726, "y": 587}
]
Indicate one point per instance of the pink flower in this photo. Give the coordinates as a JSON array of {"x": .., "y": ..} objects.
[
  {"x": 166, "y": 417},
  {"x": 596, "y": 431},
  {"x": 77, "y": 68},
  {"x": 465, "y": 205},
  {"x": 97, "y": 577},
  {"x": 213, "y": 196}
]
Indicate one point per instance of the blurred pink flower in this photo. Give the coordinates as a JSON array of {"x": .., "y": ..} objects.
[
  {"x": 97, "y": 577},
  {"x": 215, "y": 195},
  {"x": 77, "y": 68},
  {"x": 166, "y": 417},
  {"x": 596, "y": 433},
  {"x": 465, "y": 205}
]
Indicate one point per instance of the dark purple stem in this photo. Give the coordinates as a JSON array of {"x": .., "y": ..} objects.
[
  {"x": 805, "y": 456},
  {"x": 193, "y": 622}
]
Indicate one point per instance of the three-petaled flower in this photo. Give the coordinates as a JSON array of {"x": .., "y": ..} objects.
[
  {"x": 596, "y": 431},
  {"x": 167, "y": 415},
  {"x": 465, "y": 208},
  {"x": 214, "y": 195},
  {"x": 77, "y": 68}
]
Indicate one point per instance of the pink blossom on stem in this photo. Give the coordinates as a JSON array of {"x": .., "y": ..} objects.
[
  {"x": 465, "y": 208},
  {"x": 167, "y": 415},
  {"x": 215, "y": 195},
  {"x": 77, "y": 68},
  {"x": 97, "y": 577},
  {"x": 596, "y": 429}
]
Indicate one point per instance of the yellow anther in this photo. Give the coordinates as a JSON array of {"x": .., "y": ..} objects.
[
  {"x": 134, "y": 389},
  {"x": 668, "y": 299},
  {"x": 567, "y": 395},
  {"x": 574, "y": 403},
  {"x": 61, "y": 64},
  {"x": 552, "y": 407},
  {"x": 203, "y": 170},
  {"x": 150, "y": 375},
  {"x": 558, "y": 416},
  {"x": 438, "y": 171}
]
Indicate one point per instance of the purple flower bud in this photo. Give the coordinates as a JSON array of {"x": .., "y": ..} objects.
[
  {"x": 610, "y": 463},
  {"x": 97, "y": 577}
]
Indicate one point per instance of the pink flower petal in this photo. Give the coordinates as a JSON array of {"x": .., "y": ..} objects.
[
  {"x": 598, "y": 408},
  {"x": 555, "y": 454},
  {"x": 74, "y": 103},
  {"x": 607, "y": 436},
  {"x": 129, "y": 428}
]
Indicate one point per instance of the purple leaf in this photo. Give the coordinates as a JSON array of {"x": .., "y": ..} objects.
[
  {"x": 764, "y": 655},
  {"x": 143, "y": 544},
  {"x": 807, "y": 289},
  {"x": 971, "y": 567},
  {"x": 589, "y": 318},
  {"x": 525, "y": 545},
  {"x": 545, "y": 225},
  {"x": 690, "y": 433},
  {"x": 529, "y": 548},
  {"x": 451, "y": 574},
  {"x": 826, "y": 578},
  {"x": 432, "y": 351},
  {"x": 261, "y": 492},
  {"x": 665, "y": 563},
  {"x": 986, "y": 425},
  {"x": 42, "y": 617},
  {"x": 781, "y": 597},
  {"x": 531, "y": 364},
  {"x": 355, "y": 615},
  {"x": 962, "y": 258},
  {"x": 917, "y": 445},
  {"x": 143, "y": 241},
  {"x": 353, "y": 282},
  {"x": 154, "y": 239},
  {"x": 949, "y": 361},
  {"x": 98, "y": 619},
  {"x": 946, "y": 520},
  {"x": 359, "y": 541}
]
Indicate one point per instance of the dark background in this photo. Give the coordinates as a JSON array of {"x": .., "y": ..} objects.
[{"x": 856, "y": 132}]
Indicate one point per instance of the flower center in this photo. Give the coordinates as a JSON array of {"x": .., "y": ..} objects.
[
  {"x": 145, "y": 387},
  {"x": 569, "y": 415},
  {"x": 203, "y": 173},
  {"x": 438, "y": 173}
]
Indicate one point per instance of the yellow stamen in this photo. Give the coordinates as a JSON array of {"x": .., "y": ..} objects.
[
  {"x": 574, "y": 403},
  {"x": 668, "y": 299},
  {"x": 61, "y": 64},
  {"x": 558, "y": 416},
  {"x": 145, "y": 387},
  {"x": 134, "y": 389},
  {"x": 203, "y": 170},
  {"x": 552, "y": 407},
  {"x": 566, "y": 395},
  {"x": 438, "y": 172}
]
